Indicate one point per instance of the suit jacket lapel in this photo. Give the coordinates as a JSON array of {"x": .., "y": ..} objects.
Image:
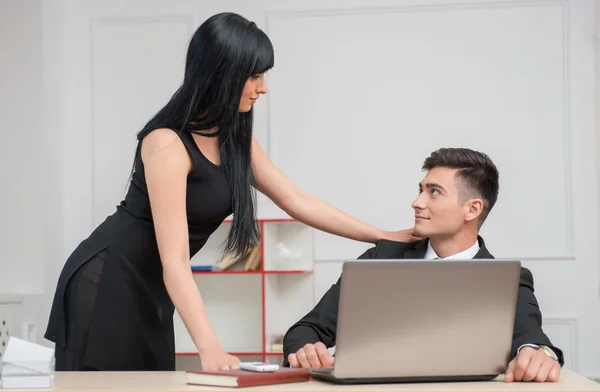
[
  {"x": 418, "y": 252},
  {"x": 483, "y": 253}
]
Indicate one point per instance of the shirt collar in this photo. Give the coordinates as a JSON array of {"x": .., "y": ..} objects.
[{"x": 465, "y": 254}]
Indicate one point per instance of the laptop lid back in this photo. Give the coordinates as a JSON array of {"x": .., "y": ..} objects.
[{"x": 425, "y": 318}]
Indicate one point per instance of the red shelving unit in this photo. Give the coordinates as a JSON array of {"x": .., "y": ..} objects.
[
  {"x": 286, "y": 290},
  {"x": 227, "y": 272},
  {"x": 239, "y": 354}
]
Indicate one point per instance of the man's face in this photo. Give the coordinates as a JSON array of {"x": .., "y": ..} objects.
[{"x": 439, "y": 209}]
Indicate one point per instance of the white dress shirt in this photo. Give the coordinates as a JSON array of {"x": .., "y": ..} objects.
[{"x": 465, "y": 254}]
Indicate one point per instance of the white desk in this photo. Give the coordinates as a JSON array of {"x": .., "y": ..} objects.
[{"x": 175, "y": 381}]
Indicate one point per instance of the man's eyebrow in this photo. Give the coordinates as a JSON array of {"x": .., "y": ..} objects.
[{"x": 433, "y": 185}]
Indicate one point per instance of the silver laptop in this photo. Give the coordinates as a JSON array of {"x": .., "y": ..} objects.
[{"x": 424, "y": 320}]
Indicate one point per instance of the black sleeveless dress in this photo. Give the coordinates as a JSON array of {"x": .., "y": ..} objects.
[{"x": 111, "y": 310}]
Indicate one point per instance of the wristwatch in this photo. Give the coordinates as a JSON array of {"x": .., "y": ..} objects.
[{"x": 546, "y": 350}]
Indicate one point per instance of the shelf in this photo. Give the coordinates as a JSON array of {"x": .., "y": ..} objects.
[
  {"x": 237, "y": 354},
  {"x": 288, "y": 297},
  {"x": 226, "y": 272},
  {"x": 251, "y": 309},
  {"x": 232, "y": 303},
  {"x": 254, "y": 272}
]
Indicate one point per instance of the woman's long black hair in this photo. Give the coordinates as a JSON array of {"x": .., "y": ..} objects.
[{"x": 223, "y": 53}]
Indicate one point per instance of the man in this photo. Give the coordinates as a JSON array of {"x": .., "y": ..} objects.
[{"x": 455, "y": 197}]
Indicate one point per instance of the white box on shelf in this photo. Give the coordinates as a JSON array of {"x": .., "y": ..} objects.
[{"x": 288, "y": 245}]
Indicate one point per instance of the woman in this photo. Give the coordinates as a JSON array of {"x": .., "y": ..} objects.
[{"x": 196, "y": 163}]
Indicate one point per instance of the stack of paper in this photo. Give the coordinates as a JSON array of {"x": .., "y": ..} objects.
[{"x": 27, "y": 365}]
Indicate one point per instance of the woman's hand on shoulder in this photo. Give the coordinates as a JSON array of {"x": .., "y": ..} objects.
[
  {"x": 312, "y": 211},
  {"x": 406, "y": 235}
]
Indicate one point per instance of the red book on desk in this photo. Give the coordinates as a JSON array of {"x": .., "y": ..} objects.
[{"x": 244, "y": 378}]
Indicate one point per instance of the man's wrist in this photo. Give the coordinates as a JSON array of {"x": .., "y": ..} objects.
[{"x": 545, "y": 349}]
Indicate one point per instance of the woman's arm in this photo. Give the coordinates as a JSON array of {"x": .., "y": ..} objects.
[
  {"x": 167, "y": 164},
  {"x": 311, "y": 210}
]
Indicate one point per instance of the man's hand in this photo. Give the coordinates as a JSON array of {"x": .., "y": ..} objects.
[
  {"x": 311, "y": 356},
  {"x": 532, "y": 365}
]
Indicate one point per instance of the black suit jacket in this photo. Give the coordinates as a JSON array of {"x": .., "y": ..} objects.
[{"x": 320, "y": 324}]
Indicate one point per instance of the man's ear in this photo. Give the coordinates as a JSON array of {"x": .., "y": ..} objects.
[{"x": 473, "y": 208}]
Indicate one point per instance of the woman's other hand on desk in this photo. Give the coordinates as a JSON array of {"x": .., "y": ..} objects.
[
  {"x": 532, "y": 365},
  {"x": 311, "y": 356},
  {"x": 214, "y": 360}
]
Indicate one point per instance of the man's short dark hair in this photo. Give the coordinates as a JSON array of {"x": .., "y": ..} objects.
[{"x": 476, "y": 170}]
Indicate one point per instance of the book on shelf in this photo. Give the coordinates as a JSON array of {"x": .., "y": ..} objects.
[
  {"x": 252, "y": 258},
  {"x": 245, "y": 378},
  {"x": 202, "y": 268}
]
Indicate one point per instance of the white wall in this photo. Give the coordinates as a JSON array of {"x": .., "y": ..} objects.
[
  {"x": 22, "y": 165},
  {"x": 597, "y": 79},
  {"x": 31, "y": 202},
  {"x": 402, "y": 77},
  {"x": 25, "y": 170}
]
